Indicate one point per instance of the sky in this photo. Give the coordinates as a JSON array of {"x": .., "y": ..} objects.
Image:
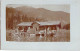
[{"x": 65, "y": 8}]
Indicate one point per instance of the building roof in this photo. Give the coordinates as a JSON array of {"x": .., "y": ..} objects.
[
  {"x": 41, "y": 23},
  {"x": 25, "y": 24}
]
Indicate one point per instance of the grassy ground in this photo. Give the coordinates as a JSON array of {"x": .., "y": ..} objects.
[{"x": 60, "y": 36}]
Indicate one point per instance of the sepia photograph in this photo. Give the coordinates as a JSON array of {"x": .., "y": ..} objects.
[{"x": 38, "y": 23}]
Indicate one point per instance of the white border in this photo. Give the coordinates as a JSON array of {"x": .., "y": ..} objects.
[{"x": 75, "y": 34}]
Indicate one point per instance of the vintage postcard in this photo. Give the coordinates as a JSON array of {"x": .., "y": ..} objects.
[{"x": 40, "y": 25}]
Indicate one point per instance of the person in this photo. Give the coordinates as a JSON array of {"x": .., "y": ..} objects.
[{"x": 9, "y": 37}]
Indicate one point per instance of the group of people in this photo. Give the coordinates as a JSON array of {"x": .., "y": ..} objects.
[{"x": 40, "y": 36}]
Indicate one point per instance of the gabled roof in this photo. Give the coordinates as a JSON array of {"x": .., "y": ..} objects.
[{"x": 40, "y": 23}]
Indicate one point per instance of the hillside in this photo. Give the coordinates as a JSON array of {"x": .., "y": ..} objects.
[
  {"x": 28, "y": 14},
  {"x": 44, "y": 13}
]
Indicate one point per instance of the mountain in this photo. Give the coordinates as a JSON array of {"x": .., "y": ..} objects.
[
  {"x": 45, "y": 14},
  {"x": 17, "y": 15}
]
